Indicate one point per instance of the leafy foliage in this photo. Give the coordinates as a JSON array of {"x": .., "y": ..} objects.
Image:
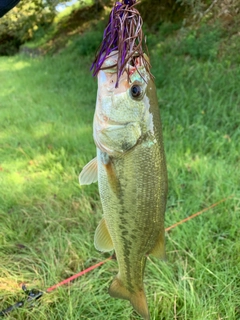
[
  {"x": 87, "y": 44},
  {"x": 48, "y": 221},
  {"x": 19, "y": 25},
  {"x": 201, "y": 43}
]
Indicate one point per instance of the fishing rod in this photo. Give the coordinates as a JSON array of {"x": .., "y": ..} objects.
[{"x": 34, "y": 294}]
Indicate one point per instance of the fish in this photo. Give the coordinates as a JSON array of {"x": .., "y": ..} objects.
[{"x": 131, "y": 171}]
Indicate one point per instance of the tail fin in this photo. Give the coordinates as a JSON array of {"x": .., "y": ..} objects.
[{"x": 137, "y": 299}]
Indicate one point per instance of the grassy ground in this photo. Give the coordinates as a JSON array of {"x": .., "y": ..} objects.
[{"x": 48, "y": 221}]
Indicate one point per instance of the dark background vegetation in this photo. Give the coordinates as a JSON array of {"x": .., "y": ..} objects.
[
  {"x": 33, "y": 19},
  {"x": 47, "y": 102}
]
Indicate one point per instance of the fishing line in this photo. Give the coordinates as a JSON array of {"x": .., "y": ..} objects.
[
  {"x": 34, "y": 294},
  {"x": 81, "y": 273},
  {"x": 196, "y": 214},
  {"x": 113, "y": 256}
]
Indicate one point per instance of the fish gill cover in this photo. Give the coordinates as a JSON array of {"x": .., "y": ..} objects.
[{"x": 123, "y": 34}]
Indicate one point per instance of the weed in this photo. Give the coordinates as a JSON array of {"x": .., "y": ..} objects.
[{"x": 48, "y": 221}]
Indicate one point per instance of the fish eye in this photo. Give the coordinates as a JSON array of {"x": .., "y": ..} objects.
[{"x": 136, "y": 91}]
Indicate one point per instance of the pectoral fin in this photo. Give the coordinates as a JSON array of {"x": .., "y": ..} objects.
[
  {"x": 102, "y": 238},
  {"x": 158, "y": 250},
  {"x": 89, "y": 173}
]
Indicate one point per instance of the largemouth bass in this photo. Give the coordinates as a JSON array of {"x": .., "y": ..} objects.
[{"x": 131, "y": 171}]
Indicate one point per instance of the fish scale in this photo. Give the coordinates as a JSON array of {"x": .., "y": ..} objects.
[{"x": 132, "y": 180}]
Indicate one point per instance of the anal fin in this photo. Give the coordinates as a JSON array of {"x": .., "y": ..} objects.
[{"x": 102, "y": 239}]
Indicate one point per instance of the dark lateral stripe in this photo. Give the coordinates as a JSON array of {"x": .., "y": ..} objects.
[{"x": 6, "y": 5}]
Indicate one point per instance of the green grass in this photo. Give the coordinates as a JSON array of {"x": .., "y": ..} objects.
[{"x": 48, "y": 221}]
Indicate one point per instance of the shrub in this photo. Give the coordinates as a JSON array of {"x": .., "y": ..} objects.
[
  {"x": 201, "y": 43},
  {"x": 19, "y": 25}
]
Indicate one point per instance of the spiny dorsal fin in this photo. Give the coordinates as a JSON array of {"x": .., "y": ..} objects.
[
  {"x": 89, "y": 173},
  {"x": 102, "y": 239}
]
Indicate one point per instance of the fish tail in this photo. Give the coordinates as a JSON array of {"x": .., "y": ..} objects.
[{"x": 137, "y": 299}]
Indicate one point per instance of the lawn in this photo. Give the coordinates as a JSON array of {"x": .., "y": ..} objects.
[{"x": 48, "y": 221}]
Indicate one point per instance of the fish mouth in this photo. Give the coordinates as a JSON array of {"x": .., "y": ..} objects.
[{"x": 134, "y": 66}]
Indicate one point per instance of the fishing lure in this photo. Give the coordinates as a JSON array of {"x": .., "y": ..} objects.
[{"x": 123, "y": 35}]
